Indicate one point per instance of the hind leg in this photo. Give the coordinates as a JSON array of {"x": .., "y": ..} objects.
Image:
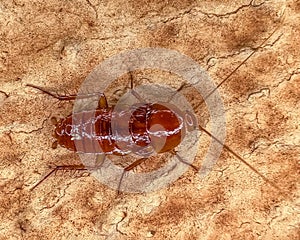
[
  {"x": 75, "y": 167},
  {"x": 128, "y": 168}
]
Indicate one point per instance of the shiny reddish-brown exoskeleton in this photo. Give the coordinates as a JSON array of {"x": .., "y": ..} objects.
[
  {"x": 144, "y": 128},
  {"x": 158, "y": 125}
]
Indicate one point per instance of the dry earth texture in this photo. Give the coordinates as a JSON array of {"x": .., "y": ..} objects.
[{"x": 55, "y": 44}]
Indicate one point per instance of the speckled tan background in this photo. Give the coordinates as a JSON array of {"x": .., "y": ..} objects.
[{"x": 55, "y": 44}]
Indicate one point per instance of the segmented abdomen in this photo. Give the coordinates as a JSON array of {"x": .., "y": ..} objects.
[{"x": 111, "y": 132}]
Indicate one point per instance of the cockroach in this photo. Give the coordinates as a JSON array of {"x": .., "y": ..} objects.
[{"x": 98, "y": 137}]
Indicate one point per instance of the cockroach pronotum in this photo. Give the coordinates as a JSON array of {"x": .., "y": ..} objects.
[{"x": 98, "y": 136}]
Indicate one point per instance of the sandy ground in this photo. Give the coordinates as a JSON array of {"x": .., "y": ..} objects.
[{"x": 55, "y": 44}]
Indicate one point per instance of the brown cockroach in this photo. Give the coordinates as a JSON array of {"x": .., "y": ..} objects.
[
  {"x": 98, "y": 137},
  {"x": 98, "y": 130}
]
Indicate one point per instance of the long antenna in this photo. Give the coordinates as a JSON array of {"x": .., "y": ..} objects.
[
  {"x": 220, "y": 142},
  {"x": 241, "y": 159},
  {"x": 238, "y": 67}
]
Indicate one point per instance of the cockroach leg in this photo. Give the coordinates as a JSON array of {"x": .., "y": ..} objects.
[
  {"x": 63, "y": 168},
  {"x": 133, "y": 92},
  {"x": 135, "y": 164},
  {"x": 183, "y": 161},
  {"x": 42, "y": 179},
  {"x": 63, "y": 97},
  {"x": 54, "y": 145},
  {"x": 128, "y": 168},
  {"x": 59, "y": 97},
  {"x": 177, "y": 91}
]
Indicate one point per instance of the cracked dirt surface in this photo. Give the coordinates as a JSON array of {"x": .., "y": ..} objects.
[{"x": 55, "y": 44}]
